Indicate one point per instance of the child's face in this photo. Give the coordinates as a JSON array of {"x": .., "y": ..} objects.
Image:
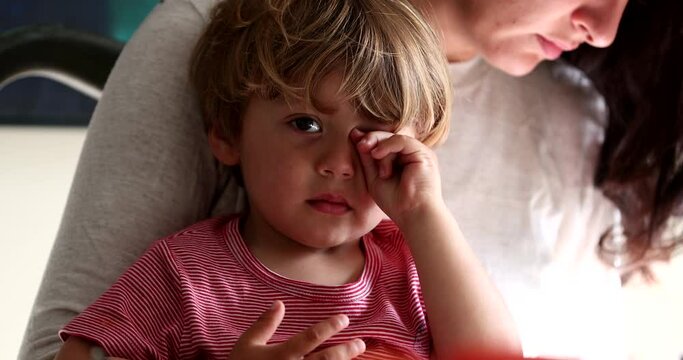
[{"x": 302, "y": 172}]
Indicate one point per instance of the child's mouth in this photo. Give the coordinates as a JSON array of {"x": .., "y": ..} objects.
[{"x": 330, "y": 204}]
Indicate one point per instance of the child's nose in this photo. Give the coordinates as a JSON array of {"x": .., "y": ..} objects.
[{"x": 338, "y": 160}]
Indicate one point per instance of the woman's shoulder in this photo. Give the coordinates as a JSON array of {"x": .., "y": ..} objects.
[
  {"x": 565, "y": 89},
  {"x": 575, "y": 122},
  {"x": 554, "y": 91},
  {"x": 202, "y": 7}
]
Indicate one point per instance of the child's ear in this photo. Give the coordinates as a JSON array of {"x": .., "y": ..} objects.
[{"x": 223, "y": 149}]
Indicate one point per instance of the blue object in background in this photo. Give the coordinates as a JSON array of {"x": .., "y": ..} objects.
[
  {"x": 126, "y": 15},
  {"x": 37, "y": 101}
]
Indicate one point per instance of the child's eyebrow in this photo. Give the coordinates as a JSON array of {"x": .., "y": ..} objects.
[
  {"x": 324, "y": 107},
  {"x": 301, "y": 104}
]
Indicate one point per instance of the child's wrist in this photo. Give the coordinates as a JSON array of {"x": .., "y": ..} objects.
[{"x": 417, "y": 215}]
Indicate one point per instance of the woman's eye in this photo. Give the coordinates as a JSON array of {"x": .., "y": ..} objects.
[{"x": 306, "y": 124}]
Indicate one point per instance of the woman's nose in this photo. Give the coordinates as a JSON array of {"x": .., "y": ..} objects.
[
  {"x": 599, "y": 21},
  {"x": 337, "y": 160}
]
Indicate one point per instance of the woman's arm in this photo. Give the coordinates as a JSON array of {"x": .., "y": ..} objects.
[{"x": 145, "y": 171}]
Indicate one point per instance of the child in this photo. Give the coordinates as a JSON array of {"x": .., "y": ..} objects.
[{"x": 325, "y": 108}]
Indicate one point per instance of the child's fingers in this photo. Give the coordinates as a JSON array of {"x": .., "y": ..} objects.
[
  {"x": 386, "y": 165},
  {"x": 364, "y": 144},
  {"x": 356, "y": 135},
  {"x": 394, "y": 151},
  {"x": 253, "y": 342},
  {"x": 368, "y": 141},
  {"x": 378, "y": 151},
  {"x": 263, "y": 329},
  {"x": 306, "y": 341},
  {"x": 348, "y": 350},
  {"x": 370, "y": 170},
  {"x": 397, "y": 144}
]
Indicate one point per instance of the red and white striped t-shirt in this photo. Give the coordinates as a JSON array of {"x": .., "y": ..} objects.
[{"x": 193, "y": 294}]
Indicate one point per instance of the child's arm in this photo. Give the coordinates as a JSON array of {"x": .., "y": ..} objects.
[
  {"x": 74, "y": 349},
  {"x": 466, "y": 313}
]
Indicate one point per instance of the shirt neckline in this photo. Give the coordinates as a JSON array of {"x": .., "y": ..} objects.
[{"x": 349, "y": 292}]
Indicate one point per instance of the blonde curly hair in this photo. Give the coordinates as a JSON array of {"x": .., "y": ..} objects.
[{"x": 389, "y": 57}]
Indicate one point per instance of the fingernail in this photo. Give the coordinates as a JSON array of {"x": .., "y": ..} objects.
[
  {"x": 356, "y": 134},
  {"x": 359, "y": 345},
  {"x": 343, "y": 321}
]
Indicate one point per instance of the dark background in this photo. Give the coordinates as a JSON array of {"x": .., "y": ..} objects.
[{"x": 40, "y": 101}]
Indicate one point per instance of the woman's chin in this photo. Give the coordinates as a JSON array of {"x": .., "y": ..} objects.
[{"x": 516, "y": 66}]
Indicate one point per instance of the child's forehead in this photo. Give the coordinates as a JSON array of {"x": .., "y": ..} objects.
[
  {"x": 324, "y": 107},
  {"x": 325, "y": 94},
  {"x": 332, "y": 92}
]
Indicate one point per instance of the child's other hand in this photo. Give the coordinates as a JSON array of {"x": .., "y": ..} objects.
[
  {"x": 401, "y": 173},
  {"x": 253, "y": 343}
]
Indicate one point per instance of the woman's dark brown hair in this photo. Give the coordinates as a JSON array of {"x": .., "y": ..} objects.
[{"x": 641, "y": 163}]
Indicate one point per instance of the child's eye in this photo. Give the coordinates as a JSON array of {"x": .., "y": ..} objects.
[{"x": 306, "y": 124}]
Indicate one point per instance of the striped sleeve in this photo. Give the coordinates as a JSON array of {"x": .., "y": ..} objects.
[{"x": 140, "y": 316}]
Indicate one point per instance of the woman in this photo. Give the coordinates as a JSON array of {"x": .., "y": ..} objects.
[
  {"x": 639, "y": 167},
  {"x": 517, "y": 167}
]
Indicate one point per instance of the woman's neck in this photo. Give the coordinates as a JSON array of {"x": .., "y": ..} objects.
[{"x": 444, "y": 17}]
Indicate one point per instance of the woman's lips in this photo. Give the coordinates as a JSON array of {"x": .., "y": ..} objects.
[{"x": 550, "y": 49}]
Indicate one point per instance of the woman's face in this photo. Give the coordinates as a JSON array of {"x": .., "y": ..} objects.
[{"x": 516, "y": 35}]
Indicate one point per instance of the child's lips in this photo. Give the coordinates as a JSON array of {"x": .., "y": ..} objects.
[{"x": 330, "y": 204}]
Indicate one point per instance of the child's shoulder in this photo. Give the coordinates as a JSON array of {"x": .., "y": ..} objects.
[
  {"x": 211, "y": 226},
  {"x": 201, "y": 236},
  {"x": 387, "y": 243}
]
